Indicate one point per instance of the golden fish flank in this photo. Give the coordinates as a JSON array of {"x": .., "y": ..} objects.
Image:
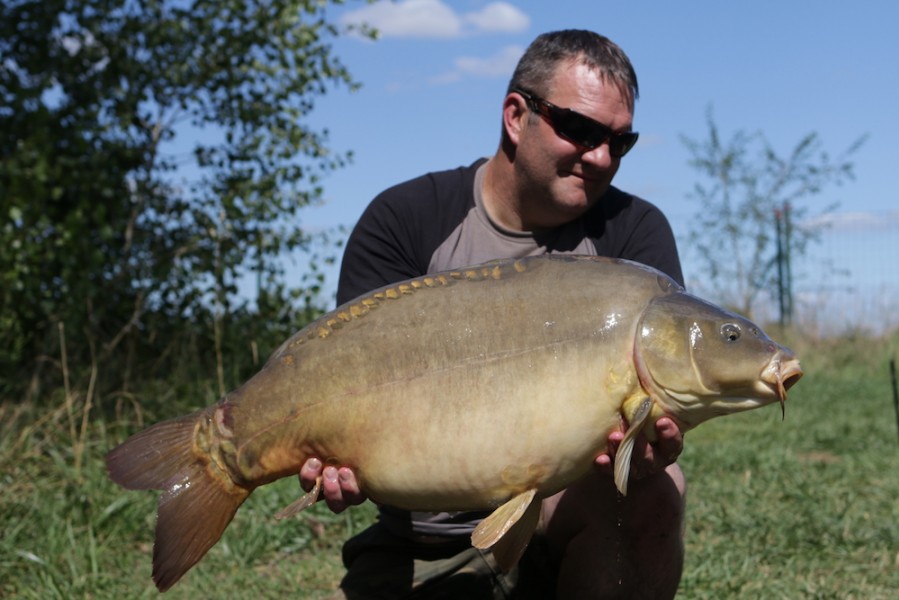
[{"x": 510, "y": 375}]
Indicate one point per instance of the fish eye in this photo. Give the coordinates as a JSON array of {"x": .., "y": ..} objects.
[{"x": 731, "y": 332}]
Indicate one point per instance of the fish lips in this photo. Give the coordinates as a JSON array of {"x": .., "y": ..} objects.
[{"x": 782, "y": 373}]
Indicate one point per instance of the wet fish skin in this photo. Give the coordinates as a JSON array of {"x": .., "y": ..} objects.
[{"x": 512, "y": 374}]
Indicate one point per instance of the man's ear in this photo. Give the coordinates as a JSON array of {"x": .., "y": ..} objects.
[{"x": 515, "y": 113}]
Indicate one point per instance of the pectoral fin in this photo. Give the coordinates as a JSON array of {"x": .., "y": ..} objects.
[
  {"x": 626, "y": 449},
  {"x": 301, "y": 503},
  {"x": 509, "y": 528}
]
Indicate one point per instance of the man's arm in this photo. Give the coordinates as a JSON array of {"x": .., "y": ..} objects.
[
  {"x": 380, "y": 250},
  {"x": 652, "y": 243},
  {"x": 622, "y": 225}
]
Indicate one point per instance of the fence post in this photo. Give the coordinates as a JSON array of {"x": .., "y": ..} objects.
[
  {"x": 895, "y": 391},
  {"x": 784, "y": 276}
]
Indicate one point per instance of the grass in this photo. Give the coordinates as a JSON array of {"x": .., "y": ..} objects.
[
  {"x": 75, "y": 534},
  {"x": 804, "y": 508},
  {"x": 807, "y": 507}
]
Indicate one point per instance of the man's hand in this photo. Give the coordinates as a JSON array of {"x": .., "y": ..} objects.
[
  {"x": 339, "y": 487},
  {"x": 647, "y": 458}
]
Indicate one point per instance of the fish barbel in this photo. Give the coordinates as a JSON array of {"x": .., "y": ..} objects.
[{"x": 490, "y": 387}]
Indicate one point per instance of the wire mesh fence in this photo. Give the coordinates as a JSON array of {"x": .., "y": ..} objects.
[{"x": 847, "y": 282}]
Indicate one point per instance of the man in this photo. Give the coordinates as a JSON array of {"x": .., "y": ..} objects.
[{"x": 566, "y": 124}]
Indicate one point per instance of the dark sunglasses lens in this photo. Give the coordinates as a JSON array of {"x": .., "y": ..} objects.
[
  {"x": 589, "y": 133},
  {"x": 621, "y": 143},
  {"x": 578, "y": 129}
]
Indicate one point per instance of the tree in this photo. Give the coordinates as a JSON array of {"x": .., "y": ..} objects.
[
  {"x": 113, "y": 224},
  {"x": 747, "y": 192}
]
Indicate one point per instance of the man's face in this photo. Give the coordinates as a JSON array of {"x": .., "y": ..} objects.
[{"x": 559, "y": 180}]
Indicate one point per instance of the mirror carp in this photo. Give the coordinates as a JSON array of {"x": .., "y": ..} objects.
[{"x": 490, "y": 387}]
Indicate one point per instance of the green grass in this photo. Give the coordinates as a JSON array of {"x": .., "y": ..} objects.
[
  {"x": 807, "y": 507},
  {"x": 802, "y": 508},
  {"x": 67, "y": 534}
]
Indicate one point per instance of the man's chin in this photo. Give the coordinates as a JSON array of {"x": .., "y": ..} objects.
[
  {"x": 578, "y": 201},
  {"x": 586, "y": 187}
]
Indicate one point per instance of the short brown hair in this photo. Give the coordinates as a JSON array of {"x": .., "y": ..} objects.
[{"x": 537, "y": 67}]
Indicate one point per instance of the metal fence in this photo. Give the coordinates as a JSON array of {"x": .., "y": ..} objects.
[{"x": 847, "y": 282}]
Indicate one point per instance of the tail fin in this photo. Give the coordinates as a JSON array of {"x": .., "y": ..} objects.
[{"x": 195, "y": 506}]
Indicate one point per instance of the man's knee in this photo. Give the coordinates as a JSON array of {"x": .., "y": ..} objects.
[
  {"x": 660, "y": 499},
  {"x": 601, "y": 539}
]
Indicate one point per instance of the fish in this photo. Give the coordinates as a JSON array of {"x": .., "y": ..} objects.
[{"x": 489, "y": 387}]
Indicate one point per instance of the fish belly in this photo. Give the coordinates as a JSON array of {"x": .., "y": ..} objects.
[{"x": 469, "y": 436}]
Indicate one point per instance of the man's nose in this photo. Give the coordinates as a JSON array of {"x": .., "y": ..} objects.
[{"x": 599, "y": 157}]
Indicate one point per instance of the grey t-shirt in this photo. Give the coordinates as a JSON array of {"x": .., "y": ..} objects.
[{"x": 478, "y": 238}]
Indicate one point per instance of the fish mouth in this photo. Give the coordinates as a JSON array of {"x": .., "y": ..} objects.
[{"x": 781, "y": 374}]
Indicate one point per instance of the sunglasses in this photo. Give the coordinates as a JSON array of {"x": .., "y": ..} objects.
[{"x": 579, "y": 129}]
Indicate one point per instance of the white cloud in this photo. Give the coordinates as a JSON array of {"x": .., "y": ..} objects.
[
  {"x": 499, "y": 16},
  {"x": 408, "y": 18},
  {"x": 435, "y": 19},
  {"x": 857, "y": 221},
  {"x": 500, "y": 64}
]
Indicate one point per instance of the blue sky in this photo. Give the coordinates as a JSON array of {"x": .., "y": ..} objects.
[{"x": 434, "y": 82}]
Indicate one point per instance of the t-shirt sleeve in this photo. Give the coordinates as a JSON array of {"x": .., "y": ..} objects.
[
  {"x": 401, "y": 228},
  {"x": 381, "y": 249},
  {"x": 653, "y": 244},
  {"x": 625, "y": 226}
]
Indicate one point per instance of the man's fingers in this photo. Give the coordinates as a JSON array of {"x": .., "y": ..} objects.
[
  {"x": 331, "y": 489},
  {"x": 340, "y": 489},
  {"x": 309, "y": 472},
  {"x": 646, "y": 458},
  {"x": 668, "y": 431},
  {"x": 670, "y": 441},
  {"x": 605, "y": 462},
  {"x": 352, "y": 495},
  {"x": 615, "y": 439}
]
